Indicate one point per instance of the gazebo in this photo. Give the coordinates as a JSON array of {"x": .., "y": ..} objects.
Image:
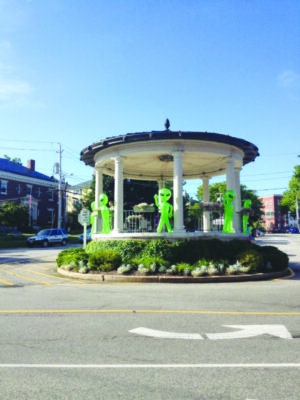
[{"x": 169, "y": 156}]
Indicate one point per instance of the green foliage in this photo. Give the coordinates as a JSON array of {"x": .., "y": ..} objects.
[
  {"x": 13, "y": 214},
  {"x": 271, "y": 255},
  {"x": 288, "y": 202},
  {"x": 158, "y": 248},
  {"x": 252, "y": 259},
  {"x": 184, "y": 268},
  {"x": 75, "y": 255},
  {"x": 211, "y": 256},
  {"x": 105, "y": 260},
  {"x": 217, "y": 189},
  {"x": 128, "y": 249}
]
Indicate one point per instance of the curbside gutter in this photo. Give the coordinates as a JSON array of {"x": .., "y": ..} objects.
[{"x": 287, "y": 273}]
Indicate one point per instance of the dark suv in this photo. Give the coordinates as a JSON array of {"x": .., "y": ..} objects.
[{"x": 47, "y": 237}]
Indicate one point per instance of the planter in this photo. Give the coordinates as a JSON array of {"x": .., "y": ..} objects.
[{"x": 146, "y": 209}]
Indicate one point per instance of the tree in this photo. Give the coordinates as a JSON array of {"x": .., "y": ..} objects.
[
  {"x": 13, "y": 214},
  {"x": 215, "y": 193},
  {"x": 16, "y": 160},
  {"x": 288, "y": 202},
  {"x": 135, "y": 191}
]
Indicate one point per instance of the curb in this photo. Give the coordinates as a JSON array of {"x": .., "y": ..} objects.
[{"x": 177, "y": 279}]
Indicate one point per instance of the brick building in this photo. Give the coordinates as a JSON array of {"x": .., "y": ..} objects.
[
  {"x": 24, "y": 185},
  {"x": 272, "y": 216}
]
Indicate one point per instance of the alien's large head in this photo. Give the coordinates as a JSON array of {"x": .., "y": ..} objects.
[
  {"x": 103, "y": 199},
  {"x": 164, "y": 194},
  {"x": 247, "y": 203},
  {"x": 229, "y": 195}
]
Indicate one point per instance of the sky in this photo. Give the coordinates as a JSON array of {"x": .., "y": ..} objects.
[{"x": 77, "y": 71}]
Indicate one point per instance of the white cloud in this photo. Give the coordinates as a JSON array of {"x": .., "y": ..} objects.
[
  {"x": 288, "y": 79},
  {"x": 10, "y": 88}
]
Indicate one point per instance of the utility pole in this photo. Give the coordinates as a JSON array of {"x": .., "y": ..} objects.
[
  {"x": 59, "y": 214},
  {"x": 297, "y": 212}
]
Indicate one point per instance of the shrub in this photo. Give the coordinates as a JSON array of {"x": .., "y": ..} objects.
[
  {"x": 251, "y": 259},
  {"x": 184, "y": 268},
  {"x": 105, "y": 260},
  {"x": 75, "y": 255},
  {"x": 152, "y": 263},
  {"x": 271, "y": 255},
  {"x": 128, "y": 249},
  {"x": 199, "y": 271},
  {"x": 158, "y": 248},
  {"x": 125, "y": 269}
]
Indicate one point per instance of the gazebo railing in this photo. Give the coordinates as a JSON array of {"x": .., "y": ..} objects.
[
  {"x": 147, "y": 222},
  {"x": 139, "y": 222}
]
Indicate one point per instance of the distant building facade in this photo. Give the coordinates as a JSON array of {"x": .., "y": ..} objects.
[
  {"x": 272, "y": 215},
  {"x": 24, "y": 185}
]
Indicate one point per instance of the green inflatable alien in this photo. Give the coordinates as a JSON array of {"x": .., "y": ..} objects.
[
  {"x": 165, "y": 209},
  {"x": 247, "y": 204},
  {"x": 104, "y": 211},
  {"x": 228, "y": 200},
  {"x": 93, "y": 218}
]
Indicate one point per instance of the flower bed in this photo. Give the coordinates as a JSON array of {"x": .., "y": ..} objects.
[{"x": 160, "y": 257}]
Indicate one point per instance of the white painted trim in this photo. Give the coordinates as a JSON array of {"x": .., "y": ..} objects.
[
  {"x": 21, "y": 178},
  {"x": 151, "y": 366}
]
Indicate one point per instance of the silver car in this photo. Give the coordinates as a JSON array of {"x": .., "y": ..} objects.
[{"x": 47, "y": 237}]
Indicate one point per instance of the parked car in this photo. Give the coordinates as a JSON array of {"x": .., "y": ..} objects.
[
  {"x": 88, "y": 237},
  {"x": 294, "y": 230},
  {"x": 47, "y": 237}
]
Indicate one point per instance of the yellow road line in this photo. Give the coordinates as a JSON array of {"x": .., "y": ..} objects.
[
  {"x": 34, "y": 266},
  {"x": 153, "y": 312},
  {"x": 24, "y": 277},
  {"x": 48, "y": 276},
  {"x": 292, "y": 274},
  {"x": 6, "y": 282},
  {"x": 52, "y": 276}
]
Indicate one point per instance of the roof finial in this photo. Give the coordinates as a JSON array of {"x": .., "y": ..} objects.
[{"x": 167, "y": 124}]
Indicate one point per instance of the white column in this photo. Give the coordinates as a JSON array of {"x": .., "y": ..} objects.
[
  {"x": 206, "y": 214},
  {"x": 98, "y": 191},
  {"x": 230, "y": 185},
  {"x": 238, "y": 204},
  {"x": 177, "y": 192},
  {"x": 118, "y": 200},
  {"x": 160, "y": 183}
]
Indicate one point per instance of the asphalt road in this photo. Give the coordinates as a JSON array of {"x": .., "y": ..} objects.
[{"x": 66, "y": 339}]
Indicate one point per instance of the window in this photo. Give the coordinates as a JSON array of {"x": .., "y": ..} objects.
[
  {"x": 29, "y": 189},
  {"x": 3, "y": 187},
  {"x": 18, "y": 188},
  {"x": 51, "y": 215},
  {"x": 39, "y": 192},
  {"x": 51, "y": 194}
]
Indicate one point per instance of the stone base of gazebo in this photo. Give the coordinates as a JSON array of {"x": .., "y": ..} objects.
[{"x": 169, "y": 236}]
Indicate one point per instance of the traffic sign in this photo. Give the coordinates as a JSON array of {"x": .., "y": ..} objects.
[{"x": 84, "y": 216}]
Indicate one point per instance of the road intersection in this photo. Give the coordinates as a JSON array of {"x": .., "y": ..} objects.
[{"x": 62, "y": 338}]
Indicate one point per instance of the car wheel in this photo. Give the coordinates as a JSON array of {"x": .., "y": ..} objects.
[
  {"x": 63, "y": 242},
  {"x": 45, "y": 243}
]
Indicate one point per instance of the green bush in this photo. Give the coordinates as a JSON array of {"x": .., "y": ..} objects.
[
  {"x": 105, "y": 260},
  {"x": 75, "y": 255},
  {"x": 251, "y": 259},
  {"x": 184, "y": 268},
  {"x": 128, "y": 249},
  {"x": 278, "y": 260},
  {"x": 158, "y": 248}
]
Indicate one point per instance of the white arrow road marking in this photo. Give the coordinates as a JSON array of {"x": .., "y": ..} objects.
[
  {"x": 164, "y": 334},
  {"x": 247, "y": 331}
]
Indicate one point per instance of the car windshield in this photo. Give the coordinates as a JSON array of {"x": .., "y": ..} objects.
[{"x": 44, "y": 232}]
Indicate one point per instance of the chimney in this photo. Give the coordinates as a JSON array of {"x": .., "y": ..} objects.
[{"x": 31, "y": 165}]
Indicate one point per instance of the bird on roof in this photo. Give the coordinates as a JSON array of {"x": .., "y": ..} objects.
[{"x": 167, "y": 124}]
